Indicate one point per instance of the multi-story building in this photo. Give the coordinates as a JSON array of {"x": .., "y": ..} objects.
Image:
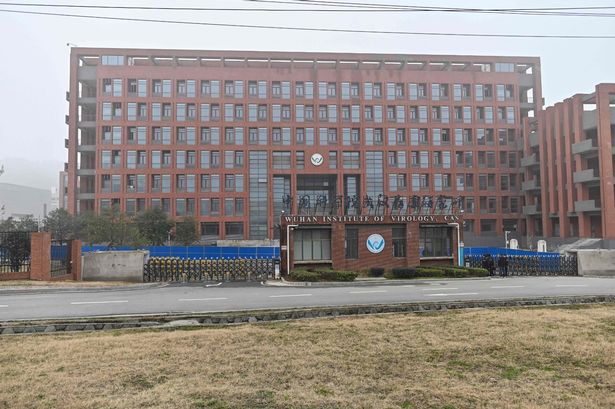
[
  {"x": 568, "y": 165},
  {"x": 233, "y": 138}
]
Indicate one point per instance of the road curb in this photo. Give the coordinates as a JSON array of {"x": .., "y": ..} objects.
[
  {"x": 370, "y": 282},
  {"x": 272, "y": 315},
  {"x": 47, "y": 290}
]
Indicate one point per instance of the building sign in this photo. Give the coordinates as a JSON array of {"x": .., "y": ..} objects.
[
  {"x": 375, "y": 243},
  {"x": 414, "y": 218},
  {"x": 317, "y": 159}
]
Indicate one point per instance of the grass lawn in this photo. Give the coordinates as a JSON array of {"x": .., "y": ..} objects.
[{"x": 509, "y": 358}]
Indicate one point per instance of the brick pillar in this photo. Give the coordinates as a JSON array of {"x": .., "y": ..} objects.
[
  {"x": 40, "y": 256},
  {"x": 75, "y": 259}
]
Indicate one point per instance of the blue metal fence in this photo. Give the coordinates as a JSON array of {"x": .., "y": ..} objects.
[
  {"x": 479, "y": 251},
  {"x": 197, "y": 252}
]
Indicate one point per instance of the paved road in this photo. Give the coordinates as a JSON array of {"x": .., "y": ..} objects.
[{"x": 229, "y": 297}]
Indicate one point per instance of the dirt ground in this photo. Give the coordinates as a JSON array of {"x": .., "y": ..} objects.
[{"x": 508, "y": 358}]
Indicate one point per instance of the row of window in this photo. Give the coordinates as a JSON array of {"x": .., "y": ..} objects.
[
  {"x": 138, "y": 111},
  {"x": 187, "y": 88},
  {"x": 166, "y": 135},
  {"x": 161, "y": 183},
  {"x": 235, "y": 159},
  {"x": 235, "y": 183},
  {"x": 208, "y": 207}
]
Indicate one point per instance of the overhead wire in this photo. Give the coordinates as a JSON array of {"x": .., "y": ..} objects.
[
  {"x": 356, "y": 8},
  {"x": 309, "y": 29}
]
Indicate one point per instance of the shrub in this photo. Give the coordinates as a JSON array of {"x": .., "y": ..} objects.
[
  {"x": 402, "y": 272},
  {"x": 477, "y": 272},
  {"x": 376, "y": 272},
  {"x": 429, "y": 272},
  {"x": 322, "y": 275}
]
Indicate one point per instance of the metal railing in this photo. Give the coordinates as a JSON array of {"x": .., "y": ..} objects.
[
  {"x": 198, "y": 270},
  {"x": 60, "y": 258},
  {"x": 15, "y": 251},
  {"x": 531, "y": 265}
]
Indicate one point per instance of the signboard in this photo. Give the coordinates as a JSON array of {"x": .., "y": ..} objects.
[
  {"x": 317, "y": 159},
  {"x": 375, "y": 243}
]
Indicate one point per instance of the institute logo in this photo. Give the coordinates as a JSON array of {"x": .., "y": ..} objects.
[
  {"x": 375, "y": 243},
  {"x": 317, "y": 159}
]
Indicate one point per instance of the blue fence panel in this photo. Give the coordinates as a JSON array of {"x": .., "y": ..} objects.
[
  {"x": 198, "y": 252},
  {"x": 479, "y": 251}
]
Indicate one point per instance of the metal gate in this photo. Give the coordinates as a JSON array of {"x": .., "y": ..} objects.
[
  {"x": 199, "y": 270},
  {"x": 60, "y": 257},
  {"x": 15, "y": 251},
  {"x": 533, "y": 265}
]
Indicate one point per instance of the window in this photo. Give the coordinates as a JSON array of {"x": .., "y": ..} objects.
[
  {"x": 352, "y": 242},
  {"x": 112, "y": 60},
  {"x": 399, "y": 241},
  {"x": 233, "y": 229},
  {"x": 435, "y": 242},
  {"x": 312, "y": 244},
  {"x": 351, "y": 160}
]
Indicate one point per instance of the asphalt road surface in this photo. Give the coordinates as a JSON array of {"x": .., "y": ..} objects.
[{"x": 232, "y": 297}]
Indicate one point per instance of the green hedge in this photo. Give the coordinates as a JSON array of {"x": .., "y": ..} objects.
[
  {"x": 322, "y": 275},
  {"x": 436, "y": 272}
]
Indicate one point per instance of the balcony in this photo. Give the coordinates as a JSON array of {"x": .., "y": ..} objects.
[
  {"x": 86, "y": 72},
  {"x": 533, "y": 139},
  {"x": 86, "y": 148},
  {"x": 590, "y": 119},
  {"x": 86, "y": 172},
  {"x": 586, "y": 176},
  {"x": 530, "y": 185},
  {"x": 585, "y": 147},
  {"x": 528, "y": 161},
  {"x": 586, "y": 206},
  {"x": 531, "y": 210}
]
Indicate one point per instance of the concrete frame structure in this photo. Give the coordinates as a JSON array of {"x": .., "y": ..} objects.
[
  {"x": 568, "y": 165},
  {"x": 436, "y": 97}
]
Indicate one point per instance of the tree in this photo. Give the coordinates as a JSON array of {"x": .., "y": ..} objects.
[
  {"x": 112, "y": 228},
  {"x": 154, "y": 226},
  {"x": 60, "y": 224},
  {"x": 185, "y": 231}
]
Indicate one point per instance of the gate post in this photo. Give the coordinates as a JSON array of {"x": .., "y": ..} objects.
[
  {"x": 75, "y": 259},
  {"x": 40, "y": 256}
]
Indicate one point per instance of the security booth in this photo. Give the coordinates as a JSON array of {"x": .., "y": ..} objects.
[{"x": 360, "y": 242}]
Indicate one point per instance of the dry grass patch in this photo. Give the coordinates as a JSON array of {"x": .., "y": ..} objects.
[{"x": 512, "y": 358}]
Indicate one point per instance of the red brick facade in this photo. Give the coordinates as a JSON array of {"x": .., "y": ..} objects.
[
  {"x": 569, "y": 188},
  {"x": 469, "y": 109},
  {"x": 381, "y": 225}
]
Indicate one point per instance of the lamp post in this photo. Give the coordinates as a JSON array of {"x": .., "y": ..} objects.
[{"x": 288, "y": 228}]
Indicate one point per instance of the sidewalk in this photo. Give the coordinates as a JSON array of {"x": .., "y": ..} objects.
[
  {"x": 364, "y": 281},
  {"x": 26, "y": 286}
]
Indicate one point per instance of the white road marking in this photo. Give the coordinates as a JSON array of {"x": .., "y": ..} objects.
[
  {"x": 367, "y": 292},
  {"x": 448, "y": 294},
  {"x": 213, "y": 285},
  {"x": 290, "y": 295},
  {"x": 202, "y": 299},
  {"x": 408, "y": 285},
  {"x": 571, "y": 285},
  {"x": 508, "y": 286},
  {"x": 97, "y": 302},
  {"x": 440, "y": 289},
  {"x": 3, "y": 306}
]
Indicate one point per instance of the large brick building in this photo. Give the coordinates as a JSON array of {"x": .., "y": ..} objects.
[
  {"x": 568, "y": 164},
  {"x": 234, "y": 138}
]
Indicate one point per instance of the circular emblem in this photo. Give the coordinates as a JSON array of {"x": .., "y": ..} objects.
[
  {"x": 317, "y": 159},
  {"x": 375, "y": 243}
]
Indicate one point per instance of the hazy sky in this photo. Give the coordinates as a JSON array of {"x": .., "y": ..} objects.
[{"x": 34, "y": 70}]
